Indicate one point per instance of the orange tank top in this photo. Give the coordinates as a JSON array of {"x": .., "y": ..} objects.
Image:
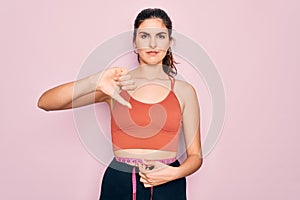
[{"x": 146, "y": 125}]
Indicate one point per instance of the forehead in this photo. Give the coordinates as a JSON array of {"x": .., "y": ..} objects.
[{"x": 152, "y": 25}]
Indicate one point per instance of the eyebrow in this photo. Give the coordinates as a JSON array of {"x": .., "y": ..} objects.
[{"x": 149, "y": 33}]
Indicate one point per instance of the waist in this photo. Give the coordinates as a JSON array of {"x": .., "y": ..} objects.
[
  {"x": 124, "y": 166},
  {"x": 147, "y": 154},
  {"x": 137, "y": 161}
]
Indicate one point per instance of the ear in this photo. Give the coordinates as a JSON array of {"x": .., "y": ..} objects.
[
  {"x": 134, "y": 44},
  {"x": 134, "y": 47},
  {"x": 170, "y": 42}
]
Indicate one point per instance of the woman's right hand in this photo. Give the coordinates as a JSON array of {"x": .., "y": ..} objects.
[{"x": 112, "y": 80}]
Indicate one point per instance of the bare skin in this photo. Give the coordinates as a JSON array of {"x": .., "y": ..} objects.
[{"x": 105, "y": 86}]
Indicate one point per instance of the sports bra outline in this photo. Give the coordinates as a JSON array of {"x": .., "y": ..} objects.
[{"x": 166, "y": 138}]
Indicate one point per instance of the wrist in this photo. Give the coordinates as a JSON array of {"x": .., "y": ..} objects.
[
  {"x": 175, "y": 173},
  {"x": 94, "y": 81}
]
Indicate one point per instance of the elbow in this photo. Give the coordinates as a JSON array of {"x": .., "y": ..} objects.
[
  {"x": 200, "y": 162},
  {"x": 46, "y": 105},
  {"x": 200, "y": 156},
  {"x": 42, "y": 105}
]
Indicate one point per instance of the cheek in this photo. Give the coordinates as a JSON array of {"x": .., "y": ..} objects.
[
  {"x": 141, "y": 44},
  {"x": 163, "y": 45}
]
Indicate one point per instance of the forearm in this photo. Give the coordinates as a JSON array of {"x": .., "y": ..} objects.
[
  {"x": 60, "y": 96},
  {"x": 189, "y": 166}
]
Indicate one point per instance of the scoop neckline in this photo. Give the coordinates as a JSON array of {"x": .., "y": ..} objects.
[{"x": 159, "y": 102}]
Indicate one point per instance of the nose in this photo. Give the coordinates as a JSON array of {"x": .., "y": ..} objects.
[{"x": 152, "y": 42}]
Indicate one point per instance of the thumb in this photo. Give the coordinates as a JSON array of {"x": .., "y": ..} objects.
[
  {"x": 120, "y": 99},
  {"x": 149, "y": 162}
]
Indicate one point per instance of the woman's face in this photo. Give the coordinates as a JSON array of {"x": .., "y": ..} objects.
[{"x": 152, "y": 41}]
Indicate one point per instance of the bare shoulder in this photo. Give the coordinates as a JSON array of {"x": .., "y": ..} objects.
[
  {"x": 184, "y": 91},
  {"x": 184, "y": 88}
]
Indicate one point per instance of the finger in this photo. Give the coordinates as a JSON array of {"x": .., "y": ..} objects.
[
  {"x": 144, "y": 176},
  {"x": 121, "y": 78},
  {"x": 128, "y": 87},
  {"x": 146, "y": 182},
  {"x": 143, "y": 180},
  {"x": 119, "y": 71},
  {"x": 149, "y": 162},
  {"x": 147, "y": 185},
  {"x": 147, "y": 167},
  {"x": 142, "y": 169},
  {"x": 125, "y": 77},
  {"x": 157, "y": 167},
  {"x": 126, "y": 82},
  {"x": 120, "y": 99}
]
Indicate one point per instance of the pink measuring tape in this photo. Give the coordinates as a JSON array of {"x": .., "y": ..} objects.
[{"x": 136, "y": 161}]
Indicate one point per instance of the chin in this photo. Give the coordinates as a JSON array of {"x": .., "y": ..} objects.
[
  {"x": 150, "y": 61},
  {"x": 153, "y": 63}
]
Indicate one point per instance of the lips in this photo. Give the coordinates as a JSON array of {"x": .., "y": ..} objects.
[{"x": 152, "y": 53}]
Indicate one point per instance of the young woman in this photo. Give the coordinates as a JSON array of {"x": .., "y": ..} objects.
[{"x": 148, "y": 109}]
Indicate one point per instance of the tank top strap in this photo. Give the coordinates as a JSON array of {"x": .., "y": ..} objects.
[{"x": 172, "y": 79}]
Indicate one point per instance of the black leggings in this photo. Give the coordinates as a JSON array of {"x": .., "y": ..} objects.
[{"x": 117, "y": 185}]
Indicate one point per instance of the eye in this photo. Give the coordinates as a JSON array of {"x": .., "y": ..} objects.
[
  {"x": 144, "y": 36},
  {"x": 161, "y": 36}
]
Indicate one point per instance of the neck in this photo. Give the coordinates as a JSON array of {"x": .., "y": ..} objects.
[{"x": 152, "y": 71}]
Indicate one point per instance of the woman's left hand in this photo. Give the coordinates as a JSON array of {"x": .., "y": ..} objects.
[{"x": 155, "y": 173}]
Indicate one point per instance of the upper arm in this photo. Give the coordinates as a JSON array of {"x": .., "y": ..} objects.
[{"x": 191, "y": 120}]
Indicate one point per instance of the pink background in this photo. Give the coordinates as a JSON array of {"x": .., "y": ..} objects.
[{"x": 252, "y": 43}]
